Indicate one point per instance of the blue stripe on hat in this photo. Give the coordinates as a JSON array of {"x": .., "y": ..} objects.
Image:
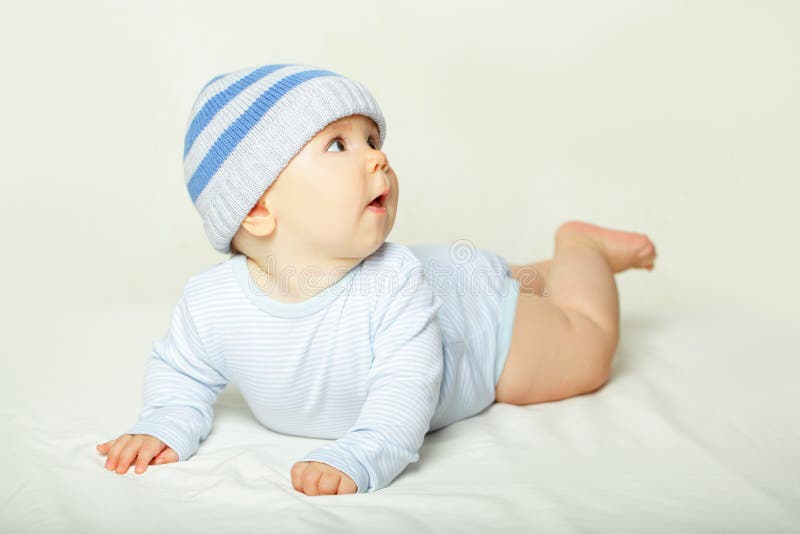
[
  {"x": 218, "y": 101},
  {"x": 231, "y": 137}
]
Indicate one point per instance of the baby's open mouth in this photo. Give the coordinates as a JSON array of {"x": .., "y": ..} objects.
[{"x": 379, "y": 201}]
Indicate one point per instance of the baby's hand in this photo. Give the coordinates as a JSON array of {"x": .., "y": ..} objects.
[
  {"x": 128, "y": 447},
  {"x": 316, "y": 478}
]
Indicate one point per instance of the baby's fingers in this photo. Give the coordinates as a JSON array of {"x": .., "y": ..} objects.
[
  {"x": 168, "y": 455},
  {"x": 128, "y": 454},
  {"x": 148, "y": 449},
  {"x": 114, "y": 448},
  {"x": 103, "y": 448}
]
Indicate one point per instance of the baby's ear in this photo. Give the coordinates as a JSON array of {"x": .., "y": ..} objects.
[{"x": 260, "y": 222}]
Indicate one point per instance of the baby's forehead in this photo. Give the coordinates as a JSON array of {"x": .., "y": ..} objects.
[{"x": 352, "y": 122}]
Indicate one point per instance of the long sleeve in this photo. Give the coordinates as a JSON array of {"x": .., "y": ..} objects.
[
  {"x": 403, "y": 388},
  {"x": 180, "y": 387}
]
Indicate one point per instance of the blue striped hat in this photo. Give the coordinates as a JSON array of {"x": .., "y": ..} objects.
[{"x": 245, "y": 127}]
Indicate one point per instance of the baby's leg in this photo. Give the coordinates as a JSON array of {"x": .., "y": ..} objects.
[
  {"x": 564, "y": 339},
  {"x": 532, "y": 277}
]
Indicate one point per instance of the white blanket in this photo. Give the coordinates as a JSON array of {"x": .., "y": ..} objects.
[{"x": 696, "y": 431}]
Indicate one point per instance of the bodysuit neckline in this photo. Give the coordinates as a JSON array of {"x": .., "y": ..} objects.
[{"x": 288, "y": 309}]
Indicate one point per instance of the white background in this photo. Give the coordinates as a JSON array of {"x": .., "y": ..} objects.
[{"x": 676, "y": 119}]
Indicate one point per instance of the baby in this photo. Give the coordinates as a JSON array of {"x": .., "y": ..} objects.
[{"x": 332, "y": 332}]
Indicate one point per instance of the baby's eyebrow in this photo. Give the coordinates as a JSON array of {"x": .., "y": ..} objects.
[
  {"x": 349, "y": 131},
  {"x": 351, "y": 125}
]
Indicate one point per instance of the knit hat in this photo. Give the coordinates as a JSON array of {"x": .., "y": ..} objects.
[{"x": 245, "y": 127}]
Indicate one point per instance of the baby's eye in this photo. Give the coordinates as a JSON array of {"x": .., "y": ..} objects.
[
  {"x": 340, "y": 144},
  {"x": 337, "y": 142}
]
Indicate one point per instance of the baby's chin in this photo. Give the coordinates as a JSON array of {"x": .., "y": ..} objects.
[
  {"x": 363, "y": 249},
  {"x": 376, "y": 247},
  {"x": 362, "y": 252}
]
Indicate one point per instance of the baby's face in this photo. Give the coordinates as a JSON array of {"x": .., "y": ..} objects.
[{"x": 323, "y": 195}]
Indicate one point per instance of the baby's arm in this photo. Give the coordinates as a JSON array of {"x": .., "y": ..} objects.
[
  {"x": 404, "y": 384},
  {"x": 180, "y": 388}
]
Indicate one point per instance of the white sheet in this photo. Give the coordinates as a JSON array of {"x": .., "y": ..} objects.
[{"x": 696, "y": 431}]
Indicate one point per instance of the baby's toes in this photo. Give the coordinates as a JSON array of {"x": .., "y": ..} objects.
[{"x": 647, "y": 255}]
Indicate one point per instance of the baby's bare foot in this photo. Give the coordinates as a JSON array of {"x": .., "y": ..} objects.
[{"x": 623, "y": 250}]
